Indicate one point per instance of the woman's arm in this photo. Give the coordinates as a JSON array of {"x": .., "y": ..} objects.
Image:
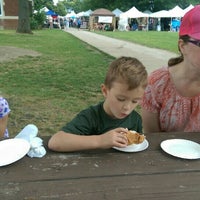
[
  {"x": 68, "y": 142},
  {"x": 150, "y": 121}
]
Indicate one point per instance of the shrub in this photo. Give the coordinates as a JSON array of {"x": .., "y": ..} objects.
[{"x": 37, "y": 20}]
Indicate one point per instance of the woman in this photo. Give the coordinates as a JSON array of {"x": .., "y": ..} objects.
[
  {"x": 4, "y": 111},
  {"x": 172, "y": 97}
]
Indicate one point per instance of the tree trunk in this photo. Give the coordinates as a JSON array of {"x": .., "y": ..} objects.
[{"x": 25, "y": 10}]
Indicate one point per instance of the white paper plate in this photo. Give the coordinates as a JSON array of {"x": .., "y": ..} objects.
[
  {"x": 181, "y": 148},
  {"x": 134, "y": 147},
  {"x": 12, "y": 150}
]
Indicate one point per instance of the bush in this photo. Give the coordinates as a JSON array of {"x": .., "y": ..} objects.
[{"x": 37, "y": 20}]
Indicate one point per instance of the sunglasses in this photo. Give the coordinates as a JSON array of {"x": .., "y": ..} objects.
[{"x": 195, "y": 42}]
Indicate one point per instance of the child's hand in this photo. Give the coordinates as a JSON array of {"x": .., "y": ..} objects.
[{"x": 115, "y": 137}]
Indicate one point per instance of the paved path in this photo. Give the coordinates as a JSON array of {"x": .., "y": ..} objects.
[{"x": 152, "y": 58}]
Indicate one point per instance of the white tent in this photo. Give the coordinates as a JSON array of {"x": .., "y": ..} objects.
[
  {"x": 44, "y": 9},
  {"x": 84, "y": 14},
  {"x": 133, "y": 13},
  {"x": 160, "y": 14},
  {"x": 123, "y": 23},
  {"x": 71, "y": 15},
  {"x": 80, "y": 14},
  {"x": 87, "y": 13},
  {"x": 176, "y": 12},
  {"x": 147, "y": 12},
  {"x": 188, "y": 8},
  {"x": 117, "y": 12}
]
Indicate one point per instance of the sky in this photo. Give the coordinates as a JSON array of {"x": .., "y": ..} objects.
[{"x": 55, "y": 2}]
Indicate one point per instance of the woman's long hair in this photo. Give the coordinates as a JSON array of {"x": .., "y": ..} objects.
[{"x": 179, "y": 59}]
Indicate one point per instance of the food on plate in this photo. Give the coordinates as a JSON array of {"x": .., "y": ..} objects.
[{"x": 134, "y": 137}]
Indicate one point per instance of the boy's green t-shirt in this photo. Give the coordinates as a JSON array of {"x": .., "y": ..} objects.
[{"x": 95, "y": 121}]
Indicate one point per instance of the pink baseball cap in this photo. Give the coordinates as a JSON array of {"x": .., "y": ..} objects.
[{"x": 190, "y": 24}]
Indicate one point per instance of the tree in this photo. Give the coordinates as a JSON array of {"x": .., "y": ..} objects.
[
  {"x": 142, "y": 5},
  {"x": 39, "y": 4},
  {"x": 25, "y": 11},
  {"x": 60, "y": 9},
  {"x": 73, "y": 5}
]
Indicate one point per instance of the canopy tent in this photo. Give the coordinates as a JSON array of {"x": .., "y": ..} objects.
[
  {"x": 156, "y": 24},
  {"x": 44, "y": 9},
  {"x": 117, "y": 12},
  {"x": 72, "y": 14},
  {"x": 88, "y": 12},
  {"x": 123, "y": 24},
  {"x": 176, "y": 12},
  {"x": 188, "y": 8},
  {"x": 80, "y": 14},
  {"x": 133, "y": 13},
  {"x": 147, "y": 12},
  {"x": 134, "y": 23},
  {"x": 85, "y": 18},
  {"x": 160, "y": 14},
  {"x": 84, "y": 14},
  {"x": 51, "y": 12}
]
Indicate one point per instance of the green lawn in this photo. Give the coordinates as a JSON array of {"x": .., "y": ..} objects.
[
  {"x": 50, "y": 89},
  {"x": 161, "y": 40}
]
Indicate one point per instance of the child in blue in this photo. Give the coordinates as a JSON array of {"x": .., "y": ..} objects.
[
  {"x": 104, "y": 125},
  {"x": 4, "y": 111}
]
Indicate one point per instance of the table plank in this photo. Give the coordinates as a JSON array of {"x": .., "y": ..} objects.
[
  {"x": 60, "y": 165},
  {"x": 161, "y": 186}
]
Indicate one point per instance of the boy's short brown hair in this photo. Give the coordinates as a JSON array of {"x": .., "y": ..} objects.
[{"x": 127, "y": 70}]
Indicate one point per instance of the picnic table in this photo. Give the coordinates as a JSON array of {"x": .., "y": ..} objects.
[{"x": 104, "y": 174}]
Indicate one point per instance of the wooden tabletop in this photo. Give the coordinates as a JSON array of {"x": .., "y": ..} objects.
[{"x": 104, "y": 174}]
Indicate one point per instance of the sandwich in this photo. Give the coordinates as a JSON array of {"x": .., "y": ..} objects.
[{"x": 134, "y": 137}]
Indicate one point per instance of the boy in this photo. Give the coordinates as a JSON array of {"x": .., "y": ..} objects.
[{"x": 105, "y": 124}]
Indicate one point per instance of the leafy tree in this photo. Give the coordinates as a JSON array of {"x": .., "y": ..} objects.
[
  {"x": 38, "y": 4},
  {"x": 37, "y": 20},
  {"x": 75, "y": 5},
  {"x": 141, "y": 5},
  {"x": 60, "y": 9}
]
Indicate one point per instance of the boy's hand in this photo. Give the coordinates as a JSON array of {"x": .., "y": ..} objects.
[{"x": 115, "y": 137}]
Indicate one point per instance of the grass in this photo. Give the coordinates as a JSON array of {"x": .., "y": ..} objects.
[
  {"x": 49, "y": 90},
  {"x": 160, "y": 40}
]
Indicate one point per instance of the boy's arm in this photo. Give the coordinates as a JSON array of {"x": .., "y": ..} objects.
[{"x": 67, "y": 142}]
